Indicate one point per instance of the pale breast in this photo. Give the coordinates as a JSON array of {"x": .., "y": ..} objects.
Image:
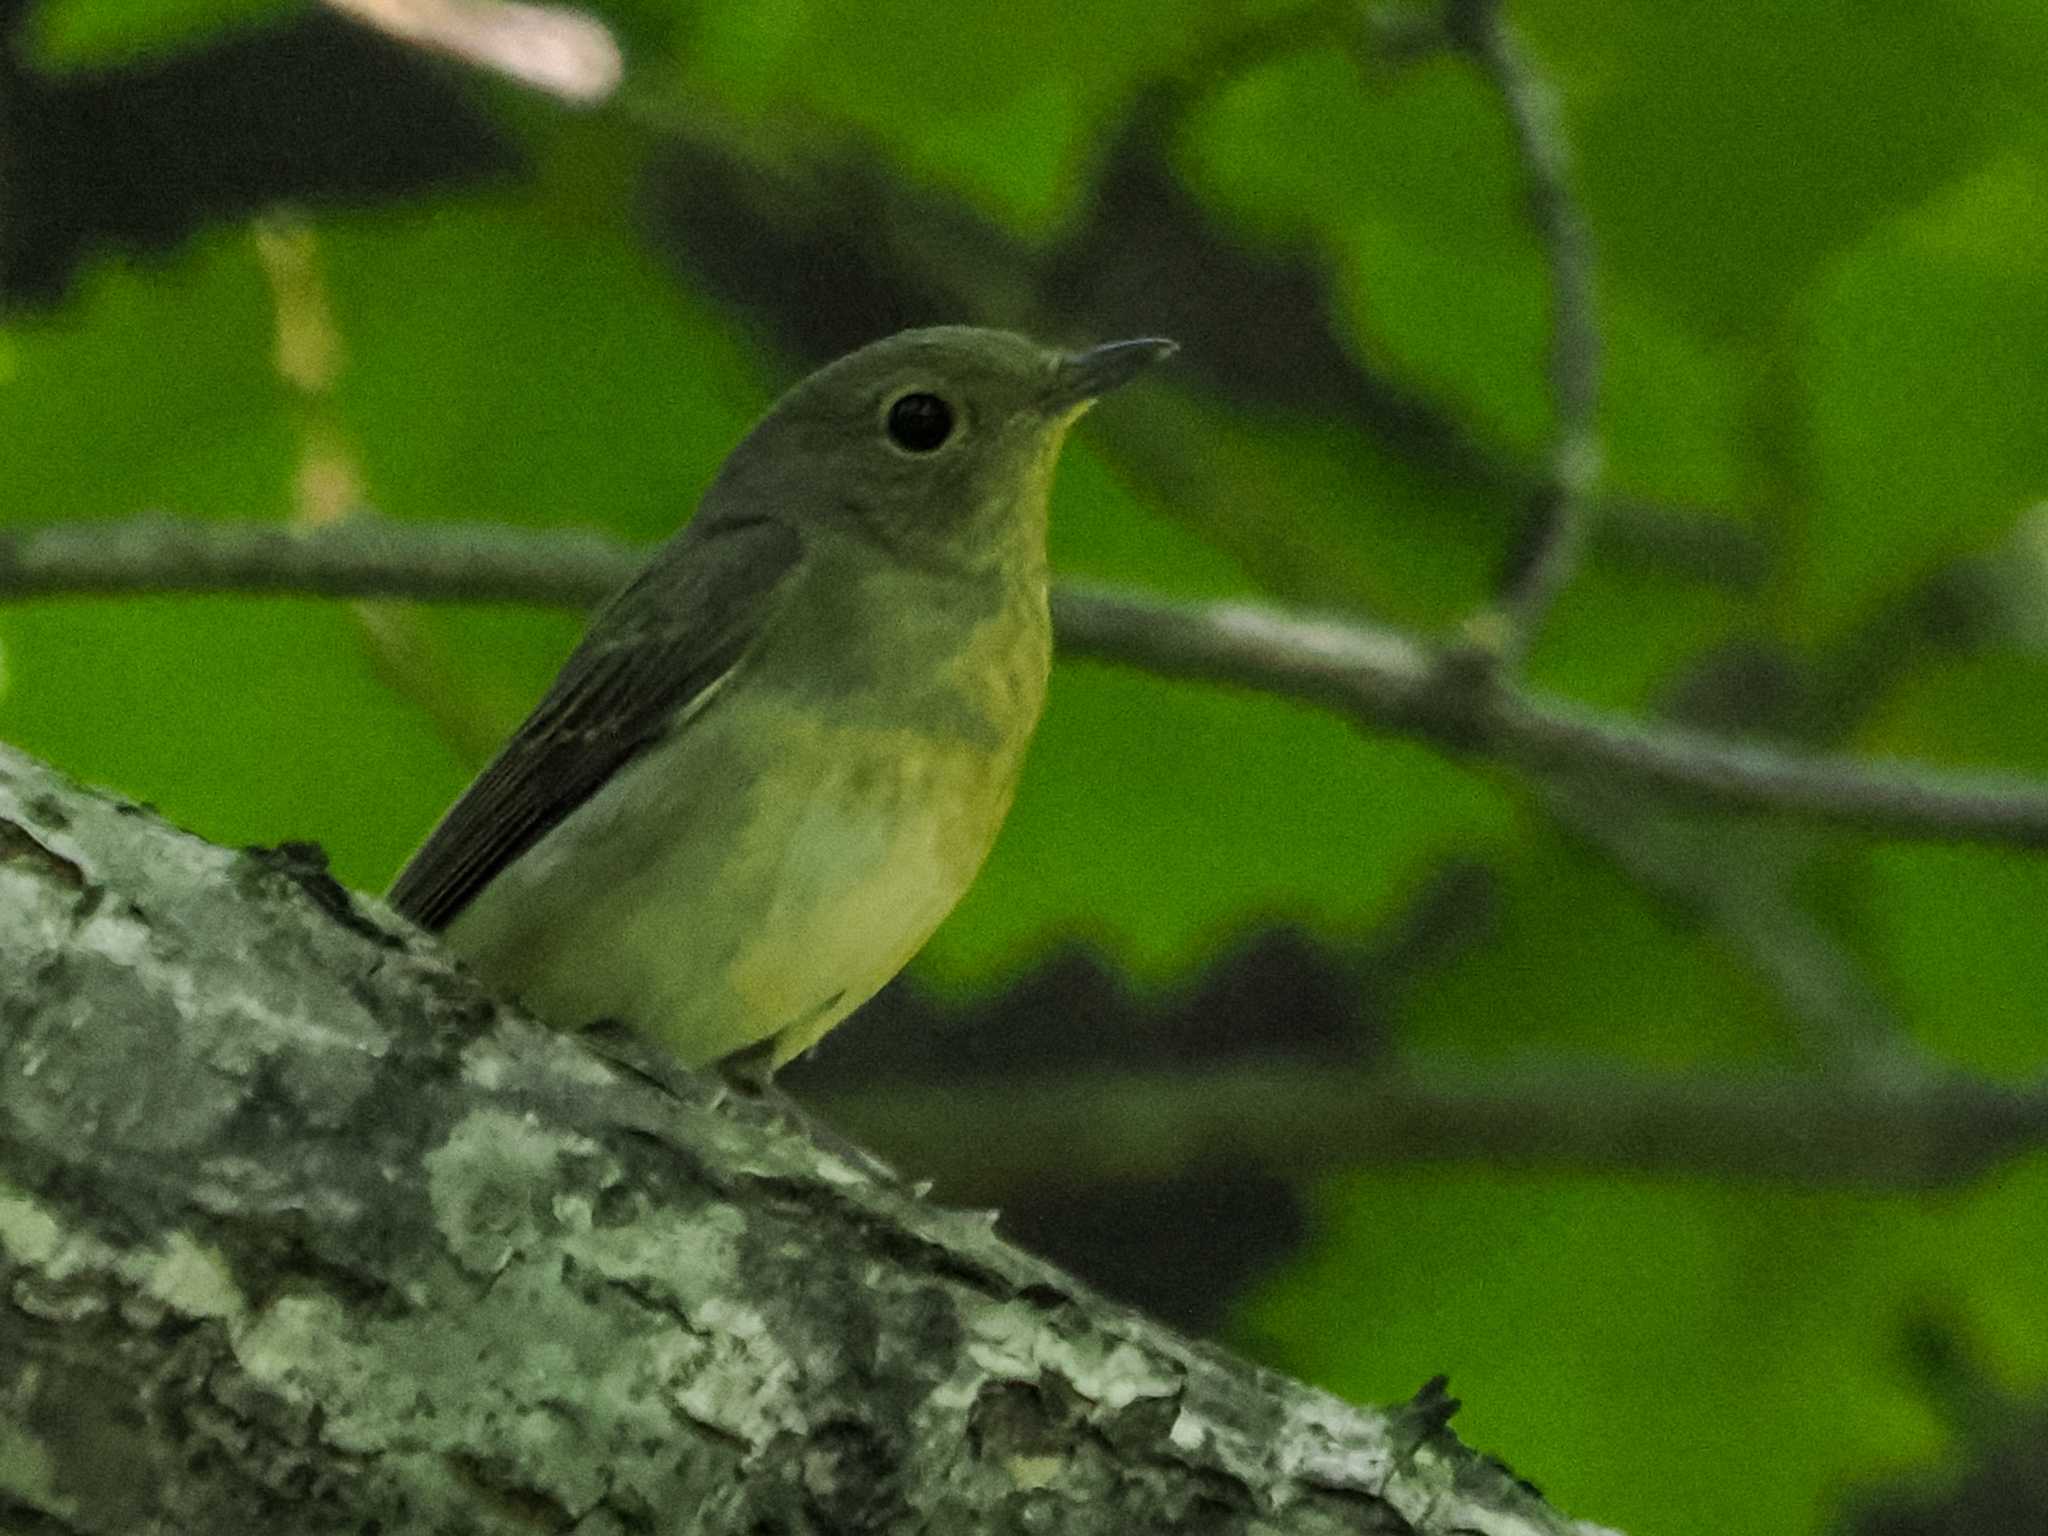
[
  {"x": 883, "y": 848},
  {"x": 766, "y": 869},
  {"x": 893, "y": 837}
]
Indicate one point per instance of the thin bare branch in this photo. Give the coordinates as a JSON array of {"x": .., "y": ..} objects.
[
  {"x": 1384, "y": 679},
  {"x": 986, "y": 1140},
  {"x": 362, "y": 557},
  {"x": 1378, "y": 678},
  {"x": 1554, "y": 530}
]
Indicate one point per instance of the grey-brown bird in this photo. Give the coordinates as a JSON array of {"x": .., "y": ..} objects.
[{"x": 782, "y": 752}]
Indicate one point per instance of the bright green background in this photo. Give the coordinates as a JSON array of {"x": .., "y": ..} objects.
[{"x": 1823, "y": 236}]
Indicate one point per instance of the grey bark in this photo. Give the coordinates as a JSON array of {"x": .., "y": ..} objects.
[{"x": 300, "y": 1232}]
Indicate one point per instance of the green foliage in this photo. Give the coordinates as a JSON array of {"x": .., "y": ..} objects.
[
  {"x": 1824, "y": 294},
  {"x": 1393, "y": 183},
  {"x": 1730, "y": 151},
  {"x": 1936, "y": 451},
  {"x": 1700, "y": 1359},
  {"x": 91, "y": 34}
]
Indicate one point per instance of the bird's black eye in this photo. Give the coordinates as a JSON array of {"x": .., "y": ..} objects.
[{"x": 920, "y": 422}]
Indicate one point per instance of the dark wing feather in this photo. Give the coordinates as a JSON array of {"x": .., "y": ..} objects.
[{"x": 654, "y": 648}]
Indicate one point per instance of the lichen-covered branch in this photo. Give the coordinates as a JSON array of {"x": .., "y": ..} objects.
[{"x": 299, "y": 1232}]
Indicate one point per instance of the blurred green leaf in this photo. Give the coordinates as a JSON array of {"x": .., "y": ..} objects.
[
  {"x": 994, "y": 104},
  {"x": 1929, "y": 361},
  {"x": 1577, "y": 963},
  {"x": 525, "y": 358},
  {"x": 1728, "y": 151},
  {"x": 152, "y": 389},
  {"x": 1981, "y": 710},
  {"x": 1670, "y": 407},
  {"x": 1316, "y": 516},
  {"x": 94, "y": 34},
  {"x": 1637, "y": 1341},
  {"x": 1408, "y": 187},
  {"x": 1949, "y": 920},
  {"x": 1952, "y": 922}
]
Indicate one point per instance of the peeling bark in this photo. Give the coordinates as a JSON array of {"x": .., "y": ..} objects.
[{"x": 300, "y": 1232}]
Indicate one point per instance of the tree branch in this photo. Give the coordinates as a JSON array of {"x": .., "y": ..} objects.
[
  {"x": 360, "y": 557},
  {"x": 1555, "y": 528},
  {"x": 302, "y": 1233},
  {"x": 1382, "y": 679},
  {"x": 1378, "y": 678},
  {"x": 989, "y": 1139}
]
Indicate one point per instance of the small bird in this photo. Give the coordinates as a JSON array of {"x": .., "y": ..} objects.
[{"x": 780, "y": 754}]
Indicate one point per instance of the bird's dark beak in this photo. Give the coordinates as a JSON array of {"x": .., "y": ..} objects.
[{"x": 1085, "y": 376}]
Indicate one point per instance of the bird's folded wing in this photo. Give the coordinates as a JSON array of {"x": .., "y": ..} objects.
[{"x": 655, "y": 653}]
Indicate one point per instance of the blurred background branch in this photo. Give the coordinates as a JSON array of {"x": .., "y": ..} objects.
[
  {"x": 1379, "y": 678},
  {"x": 1547, "y": 547},
  {"x": 1018, "y": 1136}
]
